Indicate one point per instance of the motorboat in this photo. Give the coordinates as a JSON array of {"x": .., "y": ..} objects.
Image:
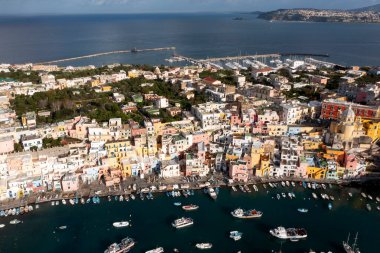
[
  {"x": 236, "y": 235},
  {"x": 204, "y": 245},
  {"x": 303, "y": 210},
  {"x": 14, "y": 222},
  {"x": 246, "y": 214},
  {"x": 288, "y": 233},
  {"x": 120, "y": 224},
  {"x": 156, "y": 250},
  {"x": 190, "y": 207},
  {"x": 182, "y": 222},
  {"x": 125, "y": 245}
]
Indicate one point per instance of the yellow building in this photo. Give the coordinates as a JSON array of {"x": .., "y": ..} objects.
[
  {"x": 372, "y": 129},
  {"x": 277, "y": 129},
  {"x": 133, "y": 73},
  {"x": 264, "y": 169},
  {"x": 106, "y": 88},
  {"x": 118, "y": 149},
  {"x": 95, "y": 83},
  {"x": 311, "y": 144},
  {"x": 316, "y": 173}
]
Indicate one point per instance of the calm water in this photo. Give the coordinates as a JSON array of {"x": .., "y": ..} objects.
[
  {"x": 34, "y": 39},
  {"x": 90, "y": 226}
]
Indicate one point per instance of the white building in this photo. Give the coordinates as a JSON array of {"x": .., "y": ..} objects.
[
  {"x": 31, "y": 141},
  {"x": 169, "y": 168}
]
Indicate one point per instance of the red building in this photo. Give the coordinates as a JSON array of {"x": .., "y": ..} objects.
[{"x": 332, "y": 109}]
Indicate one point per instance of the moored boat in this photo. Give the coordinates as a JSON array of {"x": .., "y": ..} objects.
[
  {"x": 156, "y": 250},
  {"x": 120, "y": 224},
  {"x": 190, "y": 207},
  {"x": 204, "y": 245},
  {"x": 330, "y": 206},
  {"x": 182, "y": 222},
  {"x": 363, "y": 195},
  {"x": 246, "y": 214},
  {"x": 236, "y": 235},
  {"x": 62, "y": 227},
  {"x": 351, "y": 248},
  {"x": 177, "y": 203},
  {"x": 212, "y": 193},
  {"x": 314, "y": 195},
  {"x": 369, "y": 208},
  {"x": 288, "y": 233},
  {"x": 124, "y": 246},
  {"x": 14, "y": 222},
  {"x": 303, "y": 210},
  {"x": 2, "y": 225}
]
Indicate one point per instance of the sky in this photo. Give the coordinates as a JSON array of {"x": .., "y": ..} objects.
[{"x": 21, "y": 7}]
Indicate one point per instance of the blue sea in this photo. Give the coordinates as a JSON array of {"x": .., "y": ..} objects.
[
  {"x": 89, "y": 226},
  {"x": 43, "y": 38}
]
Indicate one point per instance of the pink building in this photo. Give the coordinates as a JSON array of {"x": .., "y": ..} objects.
[
  {"x": 238, "y": 171},
  {"x": 199, "y": 137},
  {"x": 6, "y": 145},
  {"x": 70, "y": 182}
]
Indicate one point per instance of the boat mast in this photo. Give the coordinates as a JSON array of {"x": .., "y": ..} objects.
[
  {"x": 348, "y": 238},
  {"x": 354, "y": 245}
]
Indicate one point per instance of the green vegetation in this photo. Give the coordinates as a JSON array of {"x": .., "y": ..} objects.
[
  {"x": 22, "y": 76},
  {"x": 308, "y": 91},
  {"x": 50, "y": 142}
]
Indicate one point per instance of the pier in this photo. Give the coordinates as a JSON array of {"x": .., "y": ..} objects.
[
  {"x": 108, "y": 53},
  {"x": 233, "y": 58}
]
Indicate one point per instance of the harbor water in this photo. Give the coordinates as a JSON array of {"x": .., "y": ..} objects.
[
  {"x": 38, "y": 39},
  {"x": 89, "y": 226}
]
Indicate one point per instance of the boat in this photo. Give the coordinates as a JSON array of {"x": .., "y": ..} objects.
[
  {"x": 278, "y": 196},
  {"x": 288, "y": 233},
  {"x": 247, "y": 188},
  {"x": 370, "y": 197},
  {"x": 120, "y": 224},
  {"x": 369, "y": 208},
  {"x": 351, "y": 248},
  {"x": 2, "y": 225},
  {"x": 283, "y": 195},
  {"x": 142, "y": 196},
  {"x": 88, "y": 200},
  {"x": 62, "y": 227},
  {"x": 255, "y": 188},
  {"x": 290, "y": 195},
  {"x": 303, "y": 210},
  {"x": 314, "y": 195},
  {"x": 53, "y": 203},
  {"x": 109, "y": 198},
  {"x": 177, "y": 203},
  {"x": 378, "y": 208},
  {"x": 265, "y": 186},
  {"x": 71, "y": 201},
  {"x": 204, "y": 245},
  {"x": 236, "y": 235},
  {"x": 14, "y": 222},
  {"x": 56, "y": 203},
  {"x": 125, "y": 245},
  {"x": 271, "y": 185},
  {"x": 364, "y": 195},
  {"x": 330, "y": 206},
  {"x": 190, "y": 207},
  {"x": 156, "y": 250},
  {"x": 332, "y": 197},
  {"x": 241, "y": 188},
  {"x": 293, "y": 184},
  {"x": 324, "y": 186},
  {"x": 233, "y": 188},
  {"x": 133, "y": 197},
  {"x": 246, "y": 214},
  {"x": 350, "y": 194},
  {"x": 377, "y": 199},
  {"x": 308, "y": 185},
  {"x": 287, "y": 183},
  {"x": 182, "y": 222},
  {"x": 212, "y": 193},
  {"x": 283, "y": 183}
]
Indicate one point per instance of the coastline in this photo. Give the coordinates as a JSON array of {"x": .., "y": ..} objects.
[{"x": 51, "y": 196}]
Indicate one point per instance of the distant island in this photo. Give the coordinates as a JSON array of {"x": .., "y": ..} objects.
[{"x": 369, "y": 14}]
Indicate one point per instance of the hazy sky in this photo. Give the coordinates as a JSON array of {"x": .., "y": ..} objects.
[{"x": 8, "y": 7}]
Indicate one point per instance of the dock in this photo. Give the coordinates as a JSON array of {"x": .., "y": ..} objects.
[{"x": 108, "y": 53}]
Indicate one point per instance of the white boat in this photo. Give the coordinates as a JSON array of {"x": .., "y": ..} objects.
[
  {"x": 278, "y": 196},
  {"x": 14, "y": 222},
  {"x": 332, "y": 197},
  {"x": 302, "y": 210},
  {"x": 133, "y": 197},
  {"x": 369, "y": 208},
  {"x": 62, "y": 227},
  {"x": 56, "y": 203},
  {"x": 246, "y": 214},
  {"x": 120, "y": 224},
  {"x": 204, "y": 245},
  {"x": 290, "y": 195},
  {"x": 72, "y": 202},
  {"x": 156, "y": 250},
  {"x": 182, "y": 222},
  {"x": 288, "y": 233},
  {"x": 324, "y": 186},
  {"x": 293, "y": 184},
  {"x": 287, "y": 183},
  {"x": 351, "y": 248},
  {"x": 283, "y": 183},
  {"x": 212, "y": 193},
  {"x": 190, "y": 207},
  {"x": 283, "y": 194},
  {"x": 236, "y": 235},
  {"x": 364, "y": 195},
  {"x": 53, "y": 203},
  {"x": 314, "y": 195},
  {"x": 64, "y": 201},
  {"x": 2, "y": 225},
  {"x": 377, "y": 199},
  {"x": 233, "y": 188},
  {"x": 370, "y": 197},
  {"x": 255, "y": 188}
]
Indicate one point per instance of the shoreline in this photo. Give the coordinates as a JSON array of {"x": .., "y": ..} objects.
[{"x": 49, "y": 197}]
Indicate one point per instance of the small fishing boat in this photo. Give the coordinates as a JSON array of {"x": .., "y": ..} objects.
[
  {"x": 120, "y": 224},
  {"x": 233, "y": 188},
  {"x": 109, "y": 198},
  {"x": 293, "y": 184},
  {"x": 350, "y": 194},
  {"x": 290, "y": 195},
  {"x": 332, "y": 197},
  {"x": 53, "y": 203},
  {"x": 241, "y": 188},
  {"x": 2, "y": 225},
  {"x": 303, "y": 210},
  {"x": 177, "y": 203},
  {"x": 324, "y": 186},
  {"x": 190, "y": 207},
  {"x": 62, "y": 227},
  {"x": 88, "y": 200},
  {"x": 236, "y": 235},
  {"x": 283, "y": 194},
  {"x": 314, "y": 195},
  {"x": 283, "y": 183},
  {"x": 14, "y": 222},
  {"x": 369, "y": 208},
  {"x": 72, "y": 202},
  {"x": 287, "y": 183},
  {"x": 364, "y": 195},
  {"x": 278, "y": 196},
  {"x": 370, "y": 197},
  {"x": 133, "y": 197},
  {"x": 64, "y": 201},
  {"x": 255, "y": 188},
  {"x": 82, "y": 201},
  {"x": 378, "y": 208},
  {"x": 56, "y": 203},
  {"x": 377, "y": 199},
  {"x": 142, "y": 196}
]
